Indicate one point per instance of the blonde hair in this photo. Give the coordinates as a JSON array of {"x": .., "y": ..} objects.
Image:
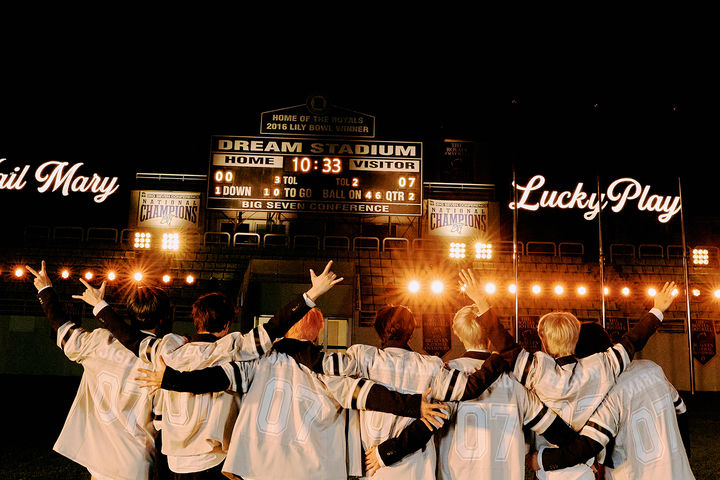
[
  {"x": 468, "y": 329},
  {"x": 308, "y": 327},
  {"x": 559, "y": 333}
]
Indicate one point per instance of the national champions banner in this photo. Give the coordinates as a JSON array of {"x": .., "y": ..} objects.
[
  {"x": 455, "y": 218},
  {"x": 166, "y": 209}
]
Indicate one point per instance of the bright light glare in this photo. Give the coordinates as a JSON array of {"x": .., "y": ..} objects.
[
  {"x": 511, "y": 288},
  {"x": 559, "y": 290},
  {"x": 166, "y": 278},
  {"x": 88, "y": 275},
  {"x": 490, "y": 288},
  {"x": 606, "y": 291},
  {"x": 700, "y": 256},
  {"x": 414, "y": 286},
  {"x": 111, "y": 275},
  {"x": 696, "y": 292},
  {"x": 65, "y": 274},
  {"x": 138, "y": 276},
  {"x": 483, "y": 251},
  {"x": 189, "y": 279},
  {"x": 142, "y": 240},
  {"x": 457, "y": 250},
  {"x": 171, "y": 241},
  {"x": 652, "y": 292},
  {"x": 19, "y": 272},
  {"x": 581, "y": 290},
  {"x": 716, "y": 293},
  {"x": 436, "y": 286},
  {"x": 674, "y": 292},
  {"x": 536, "y": 289},
  {"x": 625, "y": 291}
]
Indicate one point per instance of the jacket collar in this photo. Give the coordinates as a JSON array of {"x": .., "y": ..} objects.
[{"x": 477, "y": 354}]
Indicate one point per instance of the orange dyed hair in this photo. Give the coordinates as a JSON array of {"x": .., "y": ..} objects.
[{"x": 309, "y": 327}]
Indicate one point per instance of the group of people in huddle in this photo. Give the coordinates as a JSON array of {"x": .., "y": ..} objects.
[{"x": 272, "y": 404}]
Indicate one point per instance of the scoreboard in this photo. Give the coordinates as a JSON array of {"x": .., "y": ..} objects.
[{"x": 310, "y": 175}]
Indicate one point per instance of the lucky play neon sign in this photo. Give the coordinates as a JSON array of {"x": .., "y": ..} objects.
[{"x": 618, "y": 195}]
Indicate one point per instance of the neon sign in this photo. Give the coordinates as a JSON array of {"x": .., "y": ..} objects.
[
  {"x": 54, "y": 176},
  {"x": 619, "y": 193}
]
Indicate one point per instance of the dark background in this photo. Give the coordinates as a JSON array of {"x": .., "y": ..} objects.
[{"x": 152, "y": 108}]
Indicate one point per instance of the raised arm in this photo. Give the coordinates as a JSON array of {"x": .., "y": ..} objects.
[
  {"x": 291, "y": 313},
  {"x": 637, "y": 337},
  {"x": 128, "y": 336},
  {"x": 49, "y": 300},
  {"x": 500, "y": 338}
]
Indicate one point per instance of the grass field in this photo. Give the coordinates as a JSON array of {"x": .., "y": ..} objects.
[{"x": 36, "y": 407}]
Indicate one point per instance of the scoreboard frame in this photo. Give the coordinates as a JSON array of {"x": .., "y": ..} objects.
[{"x": 315, "y": 175}]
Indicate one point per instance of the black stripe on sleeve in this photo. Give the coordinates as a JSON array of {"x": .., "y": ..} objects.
[
  {"x": 678, "y": 401},
  {"x": 537, "y": 418},
  {"x": 258, "y": 342},
  {"x": 336, "y": 364},
  {"x": 453, "y": 379},
  {"x": 600, "y": 429},
  {"x": 67, "y": 336},
  {"x": 356, "y": 394},
  {"x": 619, "y": 359},
  {"x": 148, "y": 350},
  {"x": 238, "y": 376},
  {"x": 526, "y": 371}
]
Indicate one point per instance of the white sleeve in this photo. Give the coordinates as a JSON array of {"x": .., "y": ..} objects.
[
  {"x": 355, "y": 362},
  {"x": 78, "y": 343},
  {"x": 240, "y": 374},
  {"x": 251, "y": 345},
  {"x": 349, "y": 392}
]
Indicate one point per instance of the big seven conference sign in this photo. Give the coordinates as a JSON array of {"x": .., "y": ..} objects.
[{"x": 619, "y": 194}]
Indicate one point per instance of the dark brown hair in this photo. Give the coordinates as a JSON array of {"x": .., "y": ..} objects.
[
  {"x": 149, "y": 309},
  {"x": 212, "y": 312},
  {"x": 394, "y": 323}
]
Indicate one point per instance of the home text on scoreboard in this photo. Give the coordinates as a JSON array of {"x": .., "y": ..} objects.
[{"x": 293, "y": 175}]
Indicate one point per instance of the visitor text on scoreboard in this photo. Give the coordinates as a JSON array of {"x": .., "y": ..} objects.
[{"x": 311, "y": 175}]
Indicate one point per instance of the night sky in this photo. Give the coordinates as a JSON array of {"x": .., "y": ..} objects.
[{"x": 156, "y": 114}]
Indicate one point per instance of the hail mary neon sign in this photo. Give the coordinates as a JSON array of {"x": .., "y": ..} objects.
[
  {"x": 619, "y": 194},
  {"x": 60, "y": 176}
]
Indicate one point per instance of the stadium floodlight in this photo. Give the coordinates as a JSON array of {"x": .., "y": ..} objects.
[
  {"x": 559, "y": 290},
  {"x": 457, "y": 250},
  {"x": 88, "y": 275},
  {"x": 490, "y": 288},
  {"x": 437, "y": 286},
  {"x": 19, "y": 272},
  {"x": 582, "y": 290},
  {"x": 189, "y": 279},
  {"x": 142, "y": 240},
  {"x": 652, "y": 292},
  {"x": 166, "y": 278},
  {"x": 536, "y": 289},
  {"x": 413, "y": 286},
  {"x": 483, "y": 251},
  {"x": 111, "y": 275},
  {"x": 171, "y": 241},
  {"x": 65, "y": 274},
  {"x": 700, "y": 256},
  {"x": 138, "y": 276},
  {"x": 625, "y": 291}
]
